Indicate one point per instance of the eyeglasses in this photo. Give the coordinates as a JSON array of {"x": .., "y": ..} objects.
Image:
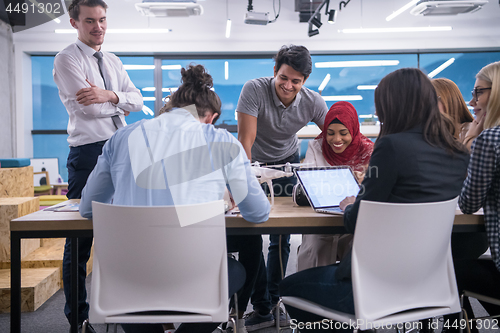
[{"x": 477, "y": 92}]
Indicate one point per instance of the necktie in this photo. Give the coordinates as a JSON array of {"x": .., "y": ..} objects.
[{"x": 102, "y": 69}]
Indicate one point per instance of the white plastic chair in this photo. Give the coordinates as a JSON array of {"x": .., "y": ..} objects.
[
  {"x": 167, "y": 259},
  {"x": 402, "y": 269}
]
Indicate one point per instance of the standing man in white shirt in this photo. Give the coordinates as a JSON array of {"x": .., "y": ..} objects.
[{"x": 97, "y": 93}]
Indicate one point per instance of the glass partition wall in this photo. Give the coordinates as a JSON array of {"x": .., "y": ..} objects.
[{"x": 350, "y": 78}]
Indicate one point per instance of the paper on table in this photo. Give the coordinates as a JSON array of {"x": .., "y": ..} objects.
[{"x": 64, "y": 207}]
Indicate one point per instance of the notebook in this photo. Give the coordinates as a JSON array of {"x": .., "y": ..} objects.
[{"x": 326, "y": 187}]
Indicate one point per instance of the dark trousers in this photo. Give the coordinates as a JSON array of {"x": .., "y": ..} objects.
[
  {"x": 236, "y": 275},
  {"x": 266, "y": 287},
  {"x": 478, "y": 276},
  {"x": 249, "y": 248},
  {"x": 81, "y": 162},
  {"x": 320, "y": 286}
]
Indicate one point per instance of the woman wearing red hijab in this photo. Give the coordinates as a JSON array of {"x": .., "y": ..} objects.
[{"x": 340, "y": 143}]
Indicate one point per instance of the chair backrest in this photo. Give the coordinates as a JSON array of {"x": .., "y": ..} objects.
[
  {"x": 155, "y": 259},
  {"x": 402, "y": 269}
]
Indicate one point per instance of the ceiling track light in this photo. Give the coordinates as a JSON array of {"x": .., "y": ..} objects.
[
  {"x": 312, "y": 32},
  {"x": 332, "y": 15},
  {"x": 315, "y": 19}
]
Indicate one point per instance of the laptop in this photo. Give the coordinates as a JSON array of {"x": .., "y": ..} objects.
[{"x": 326, "y": 187}]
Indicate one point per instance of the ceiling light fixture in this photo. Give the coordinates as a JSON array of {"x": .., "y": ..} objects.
[
  {"x": 312, "y": 32},
  {"x": 162, "y": 89},
  {"x": 401, "y": 10},
  {"x": 316, "y": 21},
  {"x": 147, "y": 111},
  {"x": 356, "y": 63},
  {"x": 138, "y": 67},
  {"x": 324, "y": 83},
  {"x": 171, "y": 67},
  {"x": 228, "y": 21},
  {"x": 332, "y": 15},
  {"x": 447, "y": 7},
  {"x": 119, "y": 31},
  {"x": 228, "y": 28},
  {"x": 367, "y": 87},
  {"x": 176, "y": 8},
  {"x": 343, "y": 98},
  {"x": 389, "y": 30},
  {"x": 441, "y": 68}
]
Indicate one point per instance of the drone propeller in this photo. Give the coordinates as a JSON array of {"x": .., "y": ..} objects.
[{"x": 293, "y": 165}]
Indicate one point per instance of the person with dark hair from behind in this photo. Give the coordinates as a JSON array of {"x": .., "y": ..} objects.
[
  {"x": 452, "y": 105},
  {"x": 271, "y": 110},
  {"x": 184, "y": 145},
  {"x": 417, "y": 159},
  {"x": 97, "y": 93}
]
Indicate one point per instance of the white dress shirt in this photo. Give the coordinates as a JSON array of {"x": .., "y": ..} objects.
[{"x": 88, "y": 124}]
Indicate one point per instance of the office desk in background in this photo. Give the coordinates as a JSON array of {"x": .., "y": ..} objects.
[{"x": 285, "y": 218}]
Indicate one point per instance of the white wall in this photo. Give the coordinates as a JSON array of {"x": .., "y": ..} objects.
[
  {"x": 205, "y": 34},
  {"x": 7, "y": 95}
]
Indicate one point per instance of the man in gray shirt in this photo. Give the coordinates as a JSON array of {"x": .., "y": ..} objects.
[{"x": 270, "y": 112}]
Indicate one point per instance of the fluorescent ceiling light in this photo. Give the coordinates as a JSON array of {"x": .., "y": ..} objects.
[
  {"x": 228, "y": 28},
  {"x": 174, "y": 8},
  {"x": 148, "y": 99},
  {"x": 360, "y": 63},
  {"x": 367, "y": 116},
  {"x": 401, "y": 10},
  {"x": 402, "y": 29},
  {"x": 324, "y": 83},
  {"x": 343, "y": 98},
  {"x": 441, "y": 68},
  {"x": 367, "y": 87},
  {"x": 138, "y": 67},
  {"x": 147, "y": 111},
  {"x": 119, "y": 31},
  {"x": 163, "y": 89},
  {"x": 226, "y": 70},
  {"x": 171, "y": 67}
]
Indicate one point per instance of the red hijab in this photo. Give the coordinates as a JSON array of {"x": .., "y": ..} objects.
[{"x": 359, "y": 151}]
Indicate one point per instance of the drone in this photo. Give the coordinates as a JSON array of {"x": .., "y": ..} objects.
[{"x": 266, "y": 174}]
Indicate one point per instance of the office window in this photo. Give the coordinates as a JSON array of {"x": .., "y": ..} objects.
[
  {"x": 347, "y": 77},
  {"x": 50, "y": 118},
  {"x": 353, "y": 78},
  {"x": 461, "y": 68},
  {"x": 229, "y": 76}
]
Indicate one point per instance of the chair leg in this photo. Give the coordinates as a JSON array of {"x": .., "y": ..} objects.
[
  {"x": 277, "y": 313},
  {"x": 84, "y": 325}
]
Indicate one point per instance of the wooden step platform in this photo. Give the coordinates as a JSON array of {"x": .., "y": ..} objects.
[
  {"x": 41, "y": 275},
  {"x": 37, "y": 286}
]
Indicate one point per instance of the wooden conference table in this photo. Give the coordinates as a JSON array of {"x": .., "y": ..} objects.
[{"x": 285, "y": 218}]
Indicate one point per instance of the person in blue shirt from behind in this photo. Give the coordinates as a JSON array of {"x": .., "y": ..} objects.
[{"x": 178, "y": 158}]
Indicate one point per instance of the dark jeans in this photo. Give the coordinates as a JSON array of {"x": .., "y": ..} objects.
[
  {"x": 81, "y": 162},
  {"x": 318, "y": 285},
  {"x": 249, "y": 248},
  {"x": 268, "y": 284},
  {"x": 236, "y": 275},
  {"x": 478, "y": 276}
]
